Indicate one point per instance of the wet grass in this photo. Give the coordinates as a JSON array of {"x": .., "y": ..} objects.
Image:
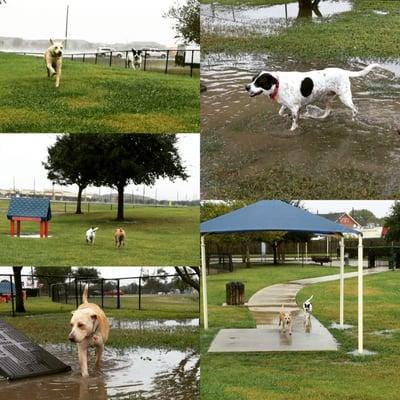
[
  {"x": 247, "y": 2},
  {"x": 94, "y": 98},
  {"x": 339, "y": 37},
  {"x": 48, "y": 322},
  {"x": 317, "y": 375},
  {"x": 155, "y": 236}
]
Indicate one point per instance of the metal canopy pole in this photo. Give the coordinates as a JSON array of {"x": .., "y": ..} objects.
[
  {"x": 204, "y": 282},
  {"x": 360, "y": 296},
  {"x": 341, "y": 245}
]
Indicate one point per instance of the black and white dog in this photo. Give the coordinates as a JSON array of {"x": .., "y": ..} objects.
[
  {"x": 307, "y": 308},
  {"x": 297, "y": 89},
  {"x": 91, "y": 235},
  {"x": 135, "y": 59}
]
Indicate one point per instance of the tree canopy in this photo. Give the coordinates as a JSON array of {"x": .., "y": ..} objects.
[
  {"x": 392, "y": 222},
  {"x": 187, "y": 20}
]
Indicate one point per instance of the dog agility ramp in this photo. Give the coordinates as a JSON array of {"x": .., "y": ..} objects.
[{"x": 20, "y": 358}]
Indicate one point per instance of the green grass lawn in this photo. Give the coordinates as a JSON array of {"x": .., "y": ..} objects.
[
  {"x": 358, "y": 33},
  {"x": 315, "y": 375},
  {"x": 48, "y": 322},
  {"x": 155, "y": 236},
  {"x": 247, "y": 2},
  {"x": 94, "y": 98}
]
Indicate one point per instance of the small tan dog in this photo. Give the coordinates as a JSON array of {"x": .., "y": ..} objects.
[
  {"x": 89, "y": 328},
  {"x": 119, "y": 237},
  {"x": 53, "y": 60},
  {"x": 286, "y": 320}
]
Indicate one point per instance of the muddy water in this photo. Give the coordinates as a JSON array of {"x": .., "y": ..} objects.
[
  {"x": 137, "y": 373},
  {"x": 265, "y": 20},
  {"x": 247, "y": 134},
  {"x": 153, "y": 323}
]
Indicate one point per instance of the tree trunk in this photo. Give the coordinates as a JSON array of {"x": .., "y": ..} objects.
[
  {"x": 247, "y": 256},
  {"x": 187, "y": 278},
  {"x": 120, "y": 212},
  {"x": 79, "y": 200},
  {"x": 275, "y": 249},
  {"x": 19, "y": 298}
]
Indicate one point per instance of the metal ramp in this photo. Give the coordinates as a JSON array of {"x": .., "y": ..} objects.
[{"x": 20, "y": 358}]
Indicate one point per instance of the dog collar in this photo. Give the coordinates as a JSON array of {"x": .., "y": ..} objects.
[{"x": 274, "y": 95}]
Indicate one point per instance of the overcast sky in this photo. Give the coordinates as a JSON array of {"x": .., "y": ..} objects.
[
  {"x": 106, "y": 21},
  {"x": 106, "y": 272},
  {"x": 381, "y": 208},
  {"x": 21, "y": 157}
]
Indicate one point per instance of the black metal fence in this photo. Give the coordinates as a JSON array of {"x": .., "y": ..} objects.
[
  {"x": 184, "y": 62},
  {"x": 146, "y": 292}
]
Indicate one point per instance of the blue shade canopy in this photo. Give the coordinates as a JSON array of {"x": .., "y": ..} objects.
[
  {"x": 273, "y": 216},
  {"x": 33, "y": 207}
]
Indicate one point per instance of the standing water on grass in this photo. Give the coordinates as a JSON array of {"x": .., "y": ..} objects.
[
  {"x": 153, "y": 323},
  {"x": 245, "y": 136},
  {"x": 265, "y": 20},
  {"x": 136, "y": 373}
]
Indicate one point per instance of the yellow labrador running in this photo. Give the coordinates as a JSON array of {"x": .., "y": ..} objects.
[{"x": 53, "y": 60}]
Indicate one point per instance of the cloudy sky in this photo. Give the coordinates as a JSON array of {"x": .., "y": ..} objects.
[
  {"x": 31, "y": 150},
  {"x": 106, "y": 21},
  {"x": 381, "y": 208}
]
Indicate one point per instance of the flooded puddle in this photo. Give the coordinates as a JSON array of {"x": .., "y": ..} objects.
[
  {"x": 137, "y": 373},
  {"x": 265, "y": 20},
  {"x": 153, "y": 323},
  {"x": 250, "y": 136}
]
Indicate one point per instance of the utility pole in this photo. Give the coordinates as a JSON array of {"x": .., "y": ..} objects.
[{"x": 66, "y": 28}]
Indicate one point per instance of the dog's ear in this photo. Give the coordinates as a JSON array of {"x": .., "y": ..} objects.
[
  {"x": 73, "y": 312},
  {"x": 265, "y": 81},
  {"x": 51, "y": 41}
]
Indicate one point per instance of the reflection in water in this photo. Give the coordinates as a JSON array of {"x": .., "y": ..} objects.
[
  {"x": 126, "y": 374},
  {"x": 258, "y": 138},
  {"x": 153, "y": 323},
  {"x": 266, "y": 20}
]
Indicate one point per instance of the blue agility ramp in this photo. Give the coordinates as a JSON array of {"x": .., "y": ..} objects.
[{"x": 21, "y": 358}]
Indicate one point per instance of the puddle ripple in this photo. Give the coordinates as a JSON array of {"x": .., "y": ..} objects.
[{"x": 137, "y": 373}]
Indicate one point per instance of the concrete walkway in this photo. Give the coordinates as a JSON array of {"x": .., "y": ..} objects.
[{"x": 265, "y": 306}]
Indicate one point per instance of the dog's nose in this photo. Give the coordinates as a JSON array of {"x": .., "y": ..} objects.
[
  {"x": 71, "y": 338},
  {"x": 248, "y": 87}
]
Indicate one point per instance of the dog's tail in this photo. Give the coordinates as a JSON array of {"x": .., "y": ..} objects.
[
  {"x": 308, "y": 300},
  {"x": 363, "y": 72},
  {"x": 85, "y": 294}
]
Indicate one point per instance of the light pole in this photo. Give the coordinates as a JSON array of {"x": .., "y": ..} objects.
[{"x": 66, "y": 27}]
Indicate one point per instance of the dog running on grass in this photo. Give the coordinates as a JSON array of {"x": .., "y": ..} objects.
[
  {"x": 307, "y": 308},
  {"x": 135, "y": 59},
  {"x": 285, "y": 320},
  {"x": 89, "y": 328},
  {"x": 53, "y": 60},
  {"x": 119, "y": 237},
  {"x": 293, "y": 89},
  {"x": 91, "y": 235}
]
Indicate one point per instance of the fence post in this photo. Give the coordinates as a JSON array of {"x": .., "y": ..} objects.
[
  {"x": 110, "y": 58},
  {"x": 166, "y": 62},
  {"x": 66, "y": 292},
  {"x": 12, "y": 295},
  {"x": 76, "y": 292},
  {"x": 95, "y": 58},
  {"x": 140, "y": 293},
  {"x": 126, "y": 59},
  {"x": 118, "y": 296},
  {"x": 88, "y": 207},
  {"x": 102, "y": 292},
  {"x": 145, "y": 60},
  {"x": 84, "y": 57},
  {"x": 191, "y": 64},
  {"x": 72, "y": 57},
  {"x": 65, "y": 207}
]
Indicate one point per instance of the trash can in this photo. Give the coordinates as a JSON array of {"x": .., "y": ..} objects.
[
  {"x": 235, "y": 293},
  {"x": 371, "y": 259}
]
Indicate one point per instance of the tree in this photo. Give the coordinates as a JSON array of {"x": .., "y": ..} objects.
[
  {"x": 187, "y": 276},
  {"x": 19, "y": 298},
  {"x": 74, "y": 159},
  {"x": 392, "y": 222},
  {"x": 50, "y": 275},
  {"x": 138, "y": 159},
  {"x": 92, "y": 273},
  {"x": 365, "y": 217},
  {"x": 187, "y": 20}
]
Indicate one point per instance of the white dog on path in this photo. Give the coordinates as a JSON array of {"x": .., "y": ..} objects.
[
  {"x": 91, "y": 235},
  {"x": 53, "y": 60}
]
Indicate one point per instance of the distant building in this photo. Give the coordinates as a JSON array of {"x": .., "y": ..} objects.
[{"x": 342, "y": 218}]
